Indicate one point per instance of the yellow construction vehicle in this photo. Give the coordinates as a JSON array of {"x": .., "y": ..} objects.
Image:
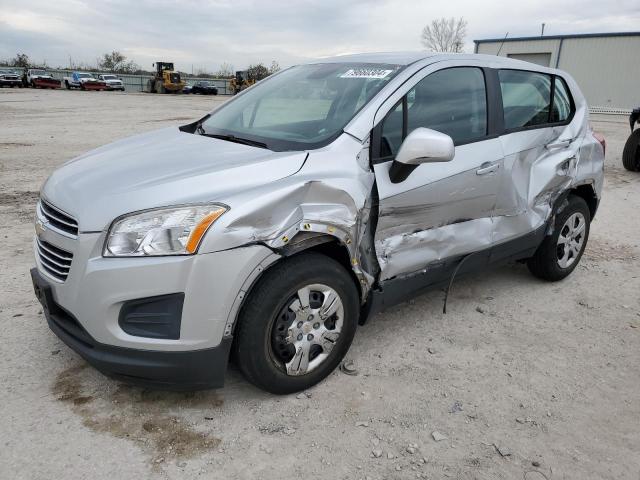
[
  {"x": 241, "y": 81},
  {"x": 165, "y": 79}
]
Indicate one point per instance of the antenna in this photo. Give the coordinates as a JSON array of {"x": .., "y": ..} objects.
[
  {"x": 500, "y": 49},
  {"x": 542, "y": 32}
]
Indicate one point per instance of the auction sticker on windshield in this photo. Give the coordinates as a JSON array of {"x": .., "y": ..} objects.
[{"x": 366, "y": 73}]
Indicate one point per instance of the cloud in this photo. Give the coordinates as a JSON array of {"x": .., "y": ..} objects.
[{"x": 207, "y": 33}]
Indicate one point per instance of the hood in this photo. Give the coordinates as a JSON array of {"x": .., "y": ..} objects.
[{"x": 162, "y": 168}]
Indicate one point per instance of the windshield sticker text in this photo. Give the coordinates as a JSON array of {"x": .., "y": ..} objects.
[{"x": 366, "y": 73}]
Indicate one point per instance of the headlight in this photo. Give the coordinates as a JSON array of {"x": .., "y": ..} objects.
[{"x": 164, "y": 231}]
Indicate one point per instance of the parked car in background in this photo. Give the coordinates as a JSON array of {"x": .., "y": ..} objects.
[
  {"x": 9, "y": 78},
  {"x": 187, "y": 88},
  {"x": 275, "y": 225},
  {"x": 84, "y": 81},
  {"x": 204, "y": 88},
  {"x": 39, "y": 78},
  {"x": 113, "y": 82}
]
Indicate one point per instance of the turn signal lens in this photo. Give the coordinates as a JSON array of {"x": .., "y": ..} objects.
[{"x": 198, "y": 232}]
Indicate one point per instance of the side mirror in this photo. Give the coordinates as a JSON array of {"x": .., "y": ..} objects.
[{"x": 422, "y": 145}]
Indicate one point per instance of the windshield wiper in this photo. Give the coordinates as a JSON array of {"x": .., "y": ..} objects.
[{"x": 234, "y": 139}]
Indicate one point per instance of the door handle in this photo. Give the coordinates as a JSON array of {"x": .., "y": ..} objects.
[
  {"x": 560, "y": 143},
  {"x": 487, "y": 167}
]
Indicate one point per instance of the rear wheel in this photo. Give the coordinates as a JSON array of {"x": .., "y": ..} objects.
[
  {"x": 297, "y": 325},
  {"x": 631, "y": 152},
  {"x": 560, "y": 252}
]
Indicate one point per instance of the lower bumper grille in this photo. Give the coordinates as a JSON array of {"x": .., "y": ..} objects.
[{"x": 54, "y": 260}]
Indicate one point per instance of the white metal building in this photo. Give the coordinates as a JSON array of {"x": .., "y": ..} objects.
[{"x": 605, "y": 65}]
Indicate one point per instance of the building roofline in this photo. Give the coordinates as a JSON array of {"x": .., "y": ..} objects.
[{"x": 558, "y": 37}]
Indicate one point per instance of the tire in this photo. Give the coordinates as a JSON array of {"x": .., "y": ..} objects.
[
  {"x": 67, "y": 86},
  {"x": 33, "y": 84},
  {"x": 631, "y": 152},
  {"x": 268, "y": 317},
  {"x": 554, "y": 259},
  {"x": 160, "y": 87}
]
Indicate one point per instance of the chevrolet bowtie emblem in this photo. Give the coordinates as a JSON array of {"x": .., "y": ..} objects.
[{"x": 40, "y": 227}]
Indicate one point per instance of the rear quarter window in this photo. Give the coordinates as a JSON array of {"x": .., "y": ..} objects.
[{"x": 562, "y": 102}]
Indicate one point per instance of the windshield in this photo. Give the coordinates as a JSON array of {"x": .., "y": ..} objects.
[
  {"x": 109, "y": 77},
  {"x": 84, "y": 75},
  {"x": 303, "y": 107},
  {"x": 38, "y": 72}
]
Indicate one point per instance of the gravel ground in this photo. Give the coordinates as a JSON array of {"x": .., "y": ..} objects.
[{"x": 521, "y": 379}]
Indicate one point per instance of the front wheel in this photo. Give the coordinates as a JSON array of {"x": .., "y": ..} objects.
[
  {"x": 560, "y": 252},
  {"x": 297, "y": 324}
]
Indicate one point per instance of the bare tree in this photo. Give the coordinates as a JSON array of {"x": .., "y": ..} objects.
[
  {"x": 275, "y": 67},
  {"x": 445, "y": 35},
  {"x": 111, "y": 61},
  {"x": 20, "y": 60},
  {"x": 225, "y": 71},
  {"x": 258, "y": 72}
]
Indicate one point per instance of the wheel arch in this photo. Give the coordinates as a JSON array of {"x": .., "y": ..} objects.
[
  {"x": 588, "y": 194},
  {"x": 303, "y": 242}
]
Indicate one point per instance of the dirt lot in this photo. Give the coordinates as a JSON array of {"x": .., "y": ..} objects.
[{"x": 525, "y": 379}]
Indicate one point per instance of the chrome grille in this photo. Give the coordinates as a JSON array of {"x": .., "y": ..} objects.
[
  {"x": 55, "y": 261},
  {"x": 58, "y": 219}
]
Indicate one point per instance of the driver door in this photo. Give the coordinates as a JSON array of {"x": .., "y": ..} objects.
[{"x": 440, "y": 211}]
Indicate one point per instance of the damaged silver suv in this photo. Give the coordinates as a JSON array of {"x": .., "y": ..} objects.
[{"x": 270, "y": 228}]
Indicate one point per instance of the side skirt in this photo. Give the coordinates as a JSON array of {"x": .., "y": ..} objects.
[{"x": 437, "y": 274}]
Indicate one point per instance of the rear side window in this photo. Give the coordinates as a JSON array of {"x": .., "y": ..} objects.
[
  {"x": 451, "y": 101},
  {"x": 561, "y": 110},
  {"x": 526, "y": 98}
]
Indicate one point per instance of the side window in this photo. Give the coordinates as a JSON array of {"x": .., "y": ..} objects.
[
  {"x": 561, "y": 110},
  {"x": 526, "y": 98},
  {"x": 451, "y": 101}
]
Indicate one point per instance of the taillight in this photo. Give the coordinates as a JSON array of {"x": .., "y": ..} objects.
[{"x": 601, "y": 140}]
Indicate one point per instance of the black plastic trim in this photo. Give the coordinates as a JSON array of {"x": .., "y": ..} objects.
[{"x": 153, "y": 317}]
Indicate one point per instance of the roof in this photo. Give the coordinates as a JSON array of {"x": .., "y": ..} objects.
[
  {"x": 558, "y": 37},
  {"x": 408, "y": 58},
  {"x": 394, "y": 58}
]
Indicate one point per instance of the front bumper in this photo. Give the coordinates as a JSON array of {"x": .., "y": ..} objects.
[{"x": 190, "y": 370}]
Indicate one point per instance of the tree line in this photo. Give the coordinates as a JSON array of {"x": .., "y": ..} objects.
[{"x": 117, "y": 62}]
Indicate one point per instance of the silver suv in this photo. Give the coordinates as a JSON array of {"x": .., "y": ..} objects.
[{"x": 272, "y": 227}]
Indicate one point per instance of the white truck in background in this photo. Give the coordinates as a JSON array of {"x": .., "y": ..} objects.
[{"x": 113, "y": 82}]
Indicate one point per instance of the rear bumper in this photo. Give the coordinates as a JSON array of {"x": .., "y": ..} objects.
[{"x": 167, "y": 370}]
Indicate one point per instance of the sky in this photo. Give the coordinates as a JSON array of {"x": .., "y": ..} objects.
[{"x": 203, "y": 34}]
